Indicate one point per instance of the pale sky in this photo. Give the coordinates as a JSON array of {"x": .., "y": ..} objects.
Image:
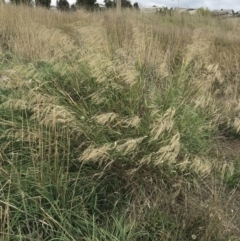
[{"x": 212, "y": 4}]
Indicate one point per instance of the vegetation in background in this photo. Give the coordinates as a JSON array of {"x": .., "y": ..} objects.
[
  {"x": 43, "y": 3},
  {"x": 165, "y": 11},
  {"x": 136, "y": 6},
  {"x": 88, "y": 4},
  {"x": 25, "y": 2},
  {"x": 204, "y": 11},
  {"x": 63, "y": 5},
  {"x": 118, "y": 127},
  {"x": 113, "y": 4}
]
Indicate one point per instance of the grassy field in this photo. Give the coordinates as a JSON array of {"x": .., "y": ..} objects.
[{"x": 118, "y": 127}]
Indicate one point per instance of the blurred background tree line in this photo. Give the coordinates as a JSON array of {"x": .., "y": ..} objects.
[{"x": 87, "y": 4}]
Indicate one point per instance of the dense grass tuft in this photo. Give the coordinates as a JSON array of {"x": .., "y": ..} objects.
[{"x": 118, "y": 127}]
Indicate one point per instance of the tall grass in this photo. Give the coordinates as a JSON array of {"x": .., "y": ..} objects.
[{"x": 112, "y": 126}]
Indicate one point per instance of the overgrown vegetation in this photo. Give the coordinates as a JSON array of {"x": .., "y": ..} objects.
[
  {"x": 204, "y": 11},
  {"x": 118, "y": 127}
]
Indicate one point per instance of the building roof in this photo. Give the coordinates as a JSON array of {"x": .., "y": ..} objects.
[{"x": 223, "y": 11}]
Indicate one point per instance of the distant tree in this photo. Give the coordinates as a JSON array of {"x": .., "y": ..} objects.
[
  {"x": 26, "y": 2},
  {"x": 88, "y": 4},
  {"x": 113, "y": 4},
  {"x": 43, "y": 3},
  {"x": 63, "y": 5},
  {"x": 165, "y": 11},
  {"x": 237, "y": 14},
  {"x": 73, "y": 7},
  {"x": 110, "y": 4},
  {"x": 126, "y": 4},
  {"x": 136, "y": 6}
]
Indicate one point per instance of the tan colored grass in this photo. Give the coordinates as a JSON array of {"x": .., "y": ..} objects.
[
  {"x": 98, "y": 155},
  {"x": 201, "y": 166},
  {"x": 129, "y": 145},
  {"x": 131, "y": 122},
  {"x": 106, "y": 118},
  {"x": 104, "y": 66},
  {"x": 27, "y": 37},
  {"x": 236, "y": 124},
  {"x": 150, "y": 41},
  {"x": 164, "y": 123}
]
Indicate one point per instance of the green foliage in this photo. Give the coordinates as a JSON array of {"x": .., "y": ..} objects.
[
  {"x": 25, "y": 2},
  {"x": 204, "y": 12},
  {"x": 165, "y": 11},
  {"x": 110, "y": 4},
  {"x": 43, "y": 3},
  {"x": 125, "y": 4},
  {"x": 232, "y": 179},
  {"x": 73, "y": 7},
  {"x": 136, "y": 6},
  {"x": 63, "y": 5},
  {"x": 89, "y": 4},
  {"x": 64, "y": 198},
  {"x": 161, "y": 227}
]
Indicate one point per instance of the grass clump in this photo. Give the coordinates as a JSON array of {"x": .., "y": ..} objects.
[{"x": 113, "y": 127}]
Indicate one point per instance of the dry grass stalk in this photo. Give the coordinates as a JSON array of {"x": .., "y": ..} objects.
[
  {"x": 105, "y": 118},
  {"x": 170, "y": 152},
  {"x": 129, "y": 145},
  {"x": 131, "y": 122},
  {"x": 164, "y": 123},
  {"x": 99, "y": 155},
  {"x": 201, "y": 167},
  {"x": 236, "y": 124}
]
